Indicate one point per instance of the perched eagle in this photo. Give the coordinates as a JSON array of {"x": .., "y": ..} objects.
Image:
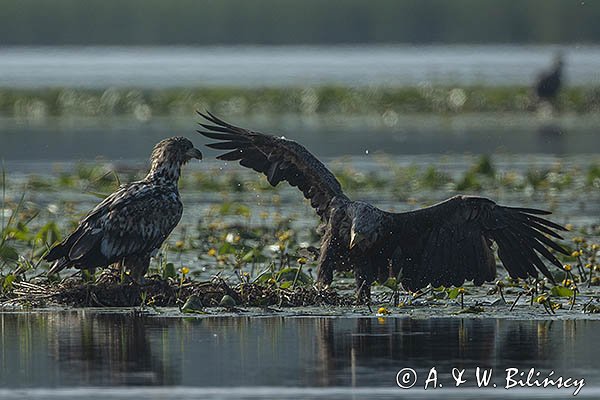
[
  {"x": 549, "y": 82},
  {"x": 444, "y": 244},
  {"x": 133, "y": 222}
]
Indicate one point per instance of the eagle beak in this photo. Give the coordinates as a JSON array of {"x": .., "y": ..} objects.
[
  {"x": 194, "y": 153},
  {"x": 354, "y": 238}
]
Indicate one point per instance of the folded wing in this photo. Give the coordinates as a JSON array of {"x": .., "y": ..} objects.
[
  {"x": 451, "y": 242},
  {"x": 279, "y": 159},
  {"x": 132, "y": 221}
]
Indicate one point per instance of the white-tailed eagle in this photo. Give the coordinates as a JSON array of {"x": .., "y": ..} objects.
[
  {"x": 133, "y": 222},
  {"x": 444, "y": 244}
]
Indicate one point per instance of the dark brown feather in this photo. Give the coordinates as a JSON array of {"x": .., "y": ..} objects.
[
  {"x": 278, "y": 158},
  {"x": 444, "y": 244}
]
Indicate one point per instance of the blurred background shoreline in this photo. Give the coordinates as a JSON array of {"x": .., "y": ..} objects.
[
  {"x": 288, "y": 22},
  {"x": 255, "y": 66},
  {"x": 86, "y": 82},
  {"x": 105, "y": 80},
  {"x": 337, "y": 100}
]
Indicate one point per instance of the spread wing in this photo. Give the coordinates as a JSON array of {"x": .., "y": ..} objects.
[
  {"x": 450, "y": 242},
  {"x": 279, "y": 159},
  {"x": 136, "y": 219}
]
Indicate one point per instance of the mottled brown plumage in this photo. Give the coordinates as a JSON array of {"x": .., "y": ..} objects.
[
  {"x": 444, "y": 244},
  {"x": 133, "y": 222}
]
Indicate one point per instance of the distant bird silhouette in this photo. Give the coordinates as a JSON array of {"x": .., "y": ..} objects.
[
  {"x": 133, "y": 222},
  {"x": 444, "y": 244},
  {"x": 549, "y": 82}
]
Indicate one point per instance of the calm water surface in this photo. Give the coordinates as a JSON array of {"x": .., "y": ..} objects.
[
  {"x": 288, "y": 65},
  {"x": 127, "y": 139},
  {"x": 127, "y": 355}
]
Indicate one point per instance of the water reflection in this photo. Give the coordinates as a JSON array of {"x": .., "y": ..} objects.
[
  {"x": 74, "y": 348},
  {"x": 373, "y": 350},
  {"x": 82, "y": 348}
]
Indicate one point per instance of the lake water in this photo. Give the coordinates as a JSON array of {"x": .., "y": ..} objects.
[
  {"x": 126, "y": 355},
  {"x": 123, "y": 139},
  {"x": 155, "y": 67}
]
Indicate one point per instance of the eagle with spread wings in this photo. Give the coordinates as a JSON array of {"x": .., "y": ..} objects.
[
  {"x": 132, "y": 223},
  {"x": 444, "y": 244}
]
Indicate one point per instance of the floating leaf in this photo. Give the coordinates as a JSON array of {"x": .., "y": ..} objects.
[
  {"x": 472, "y": 310},
  {"x": 286, "y": 284},
  {"x": 264, "y": 277},
  {"x": 193, "y": 305},
  {"x": 227, "y": 301},
  {"x": 289, "y": 274},
  {"x": 561, "y": 291}
]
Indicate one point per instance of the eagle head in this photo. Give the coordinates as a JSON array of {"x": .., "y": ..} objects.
[
  {"x": 175, "y": 150},
  {"x": 169, "y": 155},
  {"x": 365, "y": 225}
]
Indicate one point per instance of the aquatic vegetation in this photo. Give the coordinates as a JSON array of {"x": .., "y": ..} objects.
[
  {"x": 143, "y": 104},
  {"x": 481, "y": 173},
  {"x": 264, "y": 256}
]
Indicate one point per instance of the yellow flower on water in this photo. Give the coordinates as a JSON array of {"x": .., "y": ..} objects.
[
  {"x": 284, "y": 236},
  {"x": 302, "y": 260},
  {"x": 212, "y": 252},
  {"x": 575, "y": 253},
  {"x": 179, "y": 244},
  {"x": 185, "y": 270},
  {"x": 541, "y": 299},
  {"x": 569, "y": 227},
  {"x": 568, "y": 267},
  {"x": 595, "y": 246},
  {"x": 382, "y": 311}
]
